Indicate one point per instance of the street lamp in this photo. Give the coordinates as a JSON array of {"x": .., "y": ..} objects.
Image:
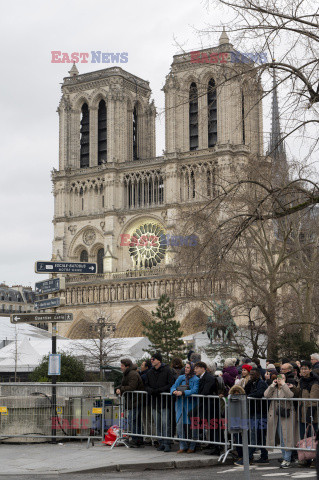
[{"x": 99, "y": 327}]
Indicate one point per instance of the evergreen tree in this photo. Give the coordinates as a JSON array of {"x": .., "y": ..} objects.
[{"x": 164, "y": 331}]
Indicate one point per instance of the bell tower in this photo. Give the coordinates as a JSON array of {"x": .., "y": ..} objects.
[{"x": 106, "y": 121}]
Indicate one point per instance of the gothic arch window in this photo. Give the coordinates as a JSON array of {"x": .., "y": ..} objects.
[
  {"x": 84, "y": 257},
  {"x": 102, "y": 133},
  {"x": 135, "y": 134},
  {"x": 188, "y": 183},
  {"x": 193, "y": 117},
  {"x": 212, "y": 113},
  {"x": 85, "y": 137},
  {"x": 191, "y": 184},
  {"x": 99, "y": 260},
  {"x": 144, "y": 189},
  {"x": 82, "y": 198}
]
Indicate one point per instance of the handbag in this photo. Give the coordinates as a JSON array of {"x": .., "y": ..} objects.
[
  {"x": 306, "y": 444},
  {"x": 182, "y": 388},
  {"x": 283, "y": 412}
]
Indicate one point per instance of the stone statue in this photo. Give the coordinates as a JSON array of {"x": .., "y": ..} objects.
[{"x": 221, "y": 325}]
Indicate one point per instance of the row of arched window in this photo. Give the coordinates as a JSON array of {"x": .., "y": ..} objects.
[
  {"x": 102, "y": 135},
  {"x": 144, "y": 190},
  {"x": 211, "y": 115},
  {"x": 84, "y": 257}
]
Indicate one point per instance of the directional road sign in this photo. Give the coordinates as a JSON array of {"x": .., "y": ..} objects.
[
  {"x": 50, "y": 286},
  {"x": 65, "y": 267},
  {"x": 41, "y": 317},
  {"x": 49, "y": 303}
]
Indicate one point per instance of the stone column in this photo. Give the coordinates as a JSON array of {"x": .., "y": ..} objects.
[{"x": 93, "y": 136}]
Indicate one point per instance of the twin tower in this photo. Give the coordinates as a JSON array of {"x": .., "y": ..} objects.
[{"x": 111, "y": 186}]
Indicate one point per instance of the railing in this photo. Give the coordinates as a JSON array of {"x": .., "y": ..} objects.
[
  {"x": 32, "y": 415},
  {"x": 143, "y": 272},
  {"x": 288, "y": 419},
  {"x": 202, "y": 421},
  {"x": 206, "y": 420},
  {"x": 192, "y": 420}
]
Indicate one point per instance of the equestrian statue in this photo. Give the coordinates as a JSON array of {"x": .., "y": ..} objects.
[{"x": 221, "y": 324}]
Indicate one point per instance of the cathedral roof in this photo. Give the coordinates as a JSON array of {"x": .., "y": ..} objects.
[{"x": 105, "y": 73}]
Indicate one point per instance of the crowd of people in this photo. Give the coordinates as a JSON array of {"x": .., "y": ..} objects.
[{"x": 193, "y": 407}]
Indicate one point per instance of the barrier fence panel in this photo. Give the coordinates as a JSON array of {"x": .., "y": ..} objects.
[
  {"x": 287, "y": 423},
  {"x": 194, "y": 420},
  {"x": 32, "y": 417}
]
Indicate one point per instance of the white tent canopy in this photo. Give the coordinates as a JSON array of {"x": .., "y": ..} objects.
[{"x": 25, "y": 355}]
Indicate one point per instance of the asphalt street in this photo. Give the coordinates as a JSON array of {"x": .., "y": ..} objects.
[{"x": 224, "y": 472}]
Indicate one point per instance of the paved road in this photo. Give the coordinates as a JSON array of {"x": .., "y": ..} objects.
[{"x": 225, "y": 472}]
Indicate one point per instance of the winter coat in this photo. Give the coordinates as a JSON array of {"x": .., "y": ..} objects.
[
  {"x": 229, "y": 376},
  {"x": 309, "y": 388},
  {"x": 183, "y": 404},
  {"x": 315, "y": 368},
  {"x": 159, "y": 381},
  {"x": 131, "y": 382},
  {"x": 207, "y": 408},
  {"x": 288, "y": 424},
  {"x": 255, "y": 390},
  {"x": 143, "y": 375}
]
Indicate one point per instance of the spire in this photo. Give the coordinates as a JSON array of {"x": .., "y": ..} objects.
[
  {"x": 276, "y": 149},
  {"x": 223, "y": 39},
  {"x": 74, "y": 71}
]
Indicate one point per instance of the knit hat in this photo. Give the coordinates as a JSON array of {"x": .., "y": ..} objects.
[
  {"x": 229, "y": 362},
  {"x": 158, "y": 356},
  {"x": 271, "y": 367},
  {"x": 247, "y": 367}
]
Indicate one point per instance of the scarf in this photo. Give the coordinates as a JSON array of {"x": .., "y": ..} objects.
[
  {"x": 189, "y": 375},
  {"x": 306, "y": 383}
]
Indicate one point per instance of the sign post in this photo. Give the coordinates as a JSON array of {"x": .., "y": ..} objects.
[
  {"x": 239, "y": 423},
  {"x": 53, "y": 431},
  {"x": 52, "y": 286}
]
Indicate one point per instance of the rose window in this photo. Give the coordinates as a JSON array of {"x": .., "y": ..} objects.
[{"x": 147, "y": 246}]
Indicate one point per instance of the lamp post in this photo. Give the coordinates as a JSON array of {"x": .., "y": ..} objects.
[{"x": 99, "y": 327}]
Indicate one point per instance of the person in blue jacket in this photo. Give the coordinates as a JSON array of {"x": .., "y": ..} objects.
[{"x": 185, "y": 386}]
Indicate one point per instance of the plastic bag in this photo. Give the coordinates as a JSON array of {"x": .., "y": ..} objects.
[{"x": 111, "y": 435}]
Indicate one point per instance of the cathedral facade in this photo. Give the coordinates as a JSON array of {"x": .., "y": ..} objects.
[{"x": 119, "y": 205}]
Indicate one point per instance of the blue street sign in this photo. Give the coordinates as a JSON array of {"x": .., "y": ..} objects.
[
  {"x": 65, "y": 267},
  {"x": 47, "y": 303},
  {"x": 50, "y": 286}
]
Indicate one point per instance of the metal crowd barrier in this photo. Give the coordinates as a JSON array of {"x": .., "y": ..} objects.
[
  {"x": 208, "y": 421},
  {"x": 155, "y": 418},
  {"x": 32, "y": 417},
  {"x": 287, "y": 421}
]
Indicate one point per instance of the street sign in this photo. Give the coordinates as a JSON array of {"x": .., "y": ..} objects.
[
  {"x": 54, "y": 367},
  {"x": 50, "y": 286},
  {"x": 41, "y": 317},
  {"x": 65, "y": 267},
  {"x": 49, "y": 303}
]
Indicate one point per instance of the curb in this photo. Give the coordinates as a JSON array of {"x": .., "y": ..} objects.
[
  {"x": 141, "y": 467},
  {"x": 130, "y": 467}
]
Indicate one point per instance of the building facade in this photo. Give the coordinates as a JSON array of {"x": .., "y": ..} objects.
[{"x": 119, "y": 205}]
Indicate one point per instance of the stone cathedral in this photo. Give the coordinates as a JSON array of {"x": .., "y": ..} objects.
[{"x": 116, "y": 203}]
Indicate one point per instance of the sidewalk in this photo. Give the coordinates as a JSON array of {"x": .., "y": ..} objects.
[{"x": 75, "y": 457}]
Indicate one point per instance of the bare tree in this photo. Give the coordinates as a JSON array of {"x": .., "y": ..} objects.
[
  {"x": 288, "y": 30},
  {"x": 100, "y": 347}
]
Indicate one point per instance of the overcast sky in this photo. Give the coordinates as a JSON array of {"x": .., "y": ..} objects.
[{"x": 150, "y": 32}]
